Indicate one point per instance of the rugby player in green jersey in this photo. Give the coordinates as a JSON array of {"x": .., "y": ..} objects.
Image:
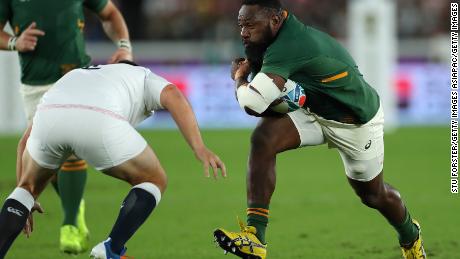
[
  {"x": 341, "y": 110},
  {"x": 48, "y": 36}
]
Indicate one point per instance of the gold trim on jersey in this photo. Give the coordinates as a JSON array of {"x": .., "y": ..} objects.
[
  {"x": 336, "y": 77},
  {"x": 80, "y": 24}
]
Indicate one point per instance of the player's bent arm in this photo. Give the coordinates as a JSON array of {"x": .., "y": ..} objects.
[
  {"x": 256, "y": 96},
  {"x": 20, "y": 151},
  {"x": 181, "y": 111},
  {"x": 174, "y": 101},
  {"x": 115, "y": 27},
  {"x": 113, "y": 22}
]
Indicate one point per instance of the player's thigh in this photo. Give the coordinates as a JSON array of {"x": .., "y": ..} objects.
[
  {"x": 361, "y": 148},
  {"x": 144, "y": 167},
  {"x": 109, "y": 143},
  {"x": 362, "y": 170},
  {"x": 360, "y": 142},
  {"x": 116, "y": 148},
  {"x": 308, "y": 130},
  {"x": 34, "y": 177},
  {"x": 48, "y": 143},
  {"x": 31, "y": 96},
  {"x": 274, "y": 135}
]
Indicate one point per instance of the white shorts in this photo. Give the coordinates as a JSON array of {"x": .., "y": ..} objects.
[
  {"x": 100, "y": 137},
  {"x": 31, "y": 96},
  {"x": 360, "y": 146}
]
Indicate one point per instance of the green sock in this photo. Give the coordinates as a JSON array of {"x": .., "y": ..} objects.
[
  {"x": 407, "y": 231},
  {"x": 71, "y": 180},
  {"x": 258, "y": 218},
  {"x": 54, "y": 183}
]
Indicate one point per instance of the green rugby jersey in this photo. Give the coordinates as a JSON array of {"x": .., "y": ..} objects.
[
  {"x": 62, "y": 48},
  {"x": 334, "y": 86}
]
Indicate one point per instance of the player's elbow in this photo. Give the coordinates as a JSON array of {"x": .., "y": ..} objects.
[
  {"x": 257, "y": 96},
  {"x": 109, "y": 13},
  {"x": 251, "y": 102},
  {"x": 170, "y": 96},
  {"x": 252, "y": 112}
]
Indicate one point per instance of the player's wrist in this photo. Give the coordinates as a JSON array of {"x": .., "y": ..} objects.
[
  {"x": 198, "y": 148},
  {"x": 240, "y": 81},
  {"x": 241, "y": 76},
  {"x": 125, "y": 44},
  {"x": 12, "y": 43}
]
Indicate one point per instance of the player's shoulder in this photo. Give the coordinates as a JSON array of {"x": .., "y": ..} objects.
[
  {"x": 292, "y": 38},
  {"x": 113, "y": 71},
  {"x": 123, "y": 66}
]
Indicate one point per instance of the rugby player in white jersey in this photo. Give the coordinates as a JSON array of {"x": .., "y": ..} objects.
[{"x": 91, "y": 112}]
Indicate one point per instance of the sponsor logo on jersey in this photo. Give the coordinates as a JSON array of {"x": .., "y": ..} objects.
[
  {"x": 297, "y": 93},
  {"x": 15, "y": 211},
  {"x": 368, "y": 145}
]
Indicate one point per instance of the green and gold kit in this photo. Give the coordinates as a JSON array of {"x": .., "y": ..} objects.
[
  {"x": 62, "y": 48},
  {"x": 335, "y": 88}
]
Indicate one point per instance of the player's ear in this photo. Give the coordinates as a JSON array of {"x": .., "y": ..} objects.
[{"x": 275, "y": 20}]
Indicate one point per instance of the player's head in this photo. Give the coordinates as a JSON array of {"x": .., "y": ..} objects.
[{"x": 259, "y": 21}]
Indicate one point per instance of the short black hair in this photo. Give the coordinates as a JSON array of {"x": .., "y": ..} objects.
[{"x": 272, "y": 4}]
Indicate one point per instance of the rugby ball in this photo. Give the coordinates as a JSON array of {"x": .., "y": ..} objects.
[{"x": 292, "y": 98}]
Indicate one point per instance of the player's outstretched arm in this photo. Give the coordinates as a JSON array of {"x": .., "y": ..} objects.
[
  {"x": 115, "y": 27},
  {"x": 181, "y": 111}
]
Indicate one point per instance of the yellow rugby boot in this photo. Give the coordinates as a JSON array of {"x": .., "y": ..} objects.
[
  {"x": 416, "y": 250},
  {"x": 243, "y": 244},
  {"x": 81, "y": 225},
  {"x": 70, "y": 240}
]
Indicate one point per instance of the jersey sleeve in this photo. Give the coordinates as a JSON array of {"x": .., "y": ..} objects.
[
  {"x": 5, "y": 11},
  {"x": 95, "y": 5},
  {"x": 322, "y": 69},
  {"x": 154, "y": 85},
  {"x": 283, "y": 60}
]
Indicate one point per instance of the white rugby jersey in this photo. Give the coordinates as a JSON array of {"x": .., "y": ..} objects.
[{"x": 124, "y": 91}]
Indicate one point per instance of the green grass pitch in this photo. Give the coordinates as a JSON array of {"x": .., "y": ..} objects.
[{"x": 314, "y": 213}]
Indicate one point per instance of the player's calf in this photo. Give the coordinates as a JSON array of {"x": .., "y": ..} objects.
[
  {"x": 13, "y": 217},
  {"x": 135, "y": 209},
  {"x": 149, "y": 181},
  {"x": 387, "y": 200}
]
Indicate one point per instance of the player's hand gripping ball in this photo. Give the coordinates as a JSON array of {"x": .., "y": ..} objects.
[{"x": 292, "y": 98}]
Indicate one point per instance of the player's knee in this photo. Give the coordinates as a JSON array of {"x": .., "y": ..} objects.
[
  {"x": 30, "y": 187},
  {"x": 156, "y": 176},
  {"x": 160, "y": 179}
]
